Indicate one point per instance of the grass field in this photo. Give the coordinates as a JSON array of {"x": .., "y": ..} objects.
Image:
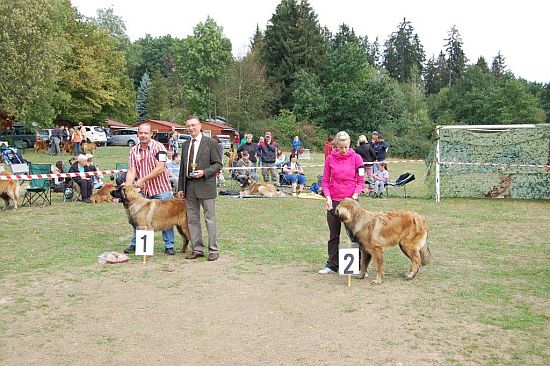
[{"x": 489, "y": 281}]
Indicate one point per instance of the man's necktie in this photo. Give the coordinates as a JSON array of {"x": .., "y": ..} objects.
[{"x": 191, "y": 157}]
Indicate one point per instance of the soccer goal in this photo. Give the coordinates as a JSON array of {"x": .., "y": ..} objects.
[{"x": 497, "y": 161}]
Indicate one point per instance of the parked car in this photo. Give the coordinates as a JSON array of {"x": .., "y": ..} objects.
[
  {"x": 95, "y": 134},
  {"x": 22, "y": 136},
  {"x": 125, "y": 137},
  {"x": 225, "y": 140},
  {"x": 164, "y": 137}
]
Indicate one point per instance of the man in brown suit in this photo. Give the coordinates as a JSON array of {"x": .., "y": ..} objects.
[{"x": 200, "y": 161}]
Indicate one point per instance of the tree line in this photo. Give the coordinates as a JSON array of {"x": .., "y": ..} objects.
[{"x": 296, "y": 78}]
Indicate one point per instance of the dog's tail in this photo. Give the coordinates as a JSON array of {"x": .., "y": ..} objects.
[{"x": 425, "y": 254}]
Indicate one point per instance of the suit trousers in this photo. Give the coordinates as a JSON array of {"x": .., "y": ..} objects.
[
  {"x": 193, "y": 218},
  {"x": 334, "y": 227}
]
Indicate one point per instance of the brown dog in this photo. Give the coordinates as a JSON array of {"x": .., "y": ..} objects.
[
  {"x": 148, "y": 214},
  {"x": 67, "y": 146},
  {"x": 263, "y": 189},
  {"x": 104, "y": 193},
  {"x": 10, "y": 189},
  {"x": 375, "y": 231},
  {"x": 88, "y": 147},
  {"x": 41, "y": 145}
]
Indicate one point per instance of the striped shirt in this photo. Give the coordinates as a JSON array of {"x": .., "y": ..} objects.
[{"x": 144, "y": 160}]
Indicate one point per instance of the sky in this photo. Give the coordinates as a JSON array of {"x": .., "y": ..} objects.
[{"x": 518, "y": 29}]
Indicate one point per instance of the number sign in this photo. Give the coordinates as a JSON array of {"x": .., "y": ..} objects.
[
  {"x": 349, "y": 261},
  {"x": 145, "y": 242}
]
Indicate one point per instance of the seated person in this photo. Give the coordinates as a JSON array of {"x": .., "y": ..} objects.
[
  {"x": 59, "y": 183},
  {"x": 380, "y": 179},
  {"x": 280, "y": 158},
  {"x": 294, "y": 174},
  {"x": 173, "y": 167},
  {"x": 245, "y": 162},
  {"x": 86, "y": 184},
  {"x": 97, "y": 179}
]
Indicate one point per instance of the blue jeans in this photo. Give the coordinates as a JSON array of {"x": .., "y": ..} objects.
[
  {"x": 295, "y": 178},
  {"x": 168, "y": 234}
]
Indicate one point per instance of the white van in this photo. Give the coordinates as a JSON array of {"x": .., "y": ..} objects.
[{"x": 95, "y": 134}]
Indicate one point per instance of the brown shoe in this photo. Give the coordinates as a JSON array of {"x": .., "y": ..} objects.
[
  {"x": 194, "y": 255},
  {"x": 212, "y": 256}
]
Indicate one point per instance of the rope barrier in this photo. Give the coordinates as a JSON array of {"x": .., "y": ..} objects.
[{"x": 60, "y": 175}]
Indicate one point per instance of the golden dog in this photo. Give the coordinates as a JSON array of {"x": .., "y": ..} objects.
[
  {"x": 88, "y": 147},
  {"x": 41, "y": 145},
  {"x": 149, "y": 214},
  {"x": 67, "y": 146},
  {"x": 104, "y": 193},
  {"x": 263, "y": 189},
  {"x": 375, "y": 231},
  {"x": 11, "y": 189}
]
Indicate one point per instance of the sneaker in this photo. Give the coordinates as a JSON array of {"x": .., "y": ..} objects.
[
  {"x": 326, "y": 270},
  {"x": 169, "y": 251},
  {"x": 130, "y": 249},
  {"x": 293, "y": 194}
]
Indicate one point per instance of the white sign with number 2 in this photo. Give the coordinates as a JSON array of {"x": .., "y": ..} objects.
[
  {"x": 349, "y": 261},
  {"x": 145, "y": 242}
]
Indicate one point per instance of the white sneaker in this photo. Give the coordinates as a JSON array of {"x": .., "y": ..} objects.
[{"x": 326, "y": 270}]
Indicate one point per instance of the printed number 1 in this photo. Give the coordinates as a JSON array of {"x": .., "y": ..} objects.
[
  {"x": 144, "y": 238},
  {"x": 352, "y": 258}
]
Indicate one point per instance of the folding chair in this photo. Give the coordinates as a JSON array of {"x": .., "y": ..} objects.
[
  {"x": 400, "y": 185},
  {"x": 40, "y": 189},
  {"x": 117, "y": 177}
]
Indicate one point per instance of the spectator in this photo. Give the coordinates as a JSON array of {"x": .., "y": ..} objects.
[
  {"x": 65, "y": 134},
  {"x": 294, "y": 174},
  {"x": 86, "y": 184},
  {"x": 173, "y": 167},
  {"x": 249, "y": 146},
  {"x": 82, "y": 130},
  {"x": 380, "y": 148},
  {"x": 365, "y": 150},
  {"x": 77, "y": 140},
  {"x": 280, "y": 158},
  {"x": 249, "y": 171},
  {"x": 55, "y": 147},
  {"x": 329, "y": 145},
  {"x": 380, "y": 180},
  {"x": 296, "y": 146},
  {"x": 220, "y": 179},
  {"x": 341, "y": 179},
  {"x": 266, "y": 151}
]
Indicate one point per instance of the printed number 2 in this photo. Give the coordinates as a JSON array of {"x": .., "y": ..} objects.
[
  {"x": 351, "y": 257},
  {"x": 144, "y": 238}
]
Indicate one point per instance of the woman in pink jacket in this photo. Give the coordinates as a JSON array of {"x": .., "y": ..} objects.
[{"x": 343, "y": 177}]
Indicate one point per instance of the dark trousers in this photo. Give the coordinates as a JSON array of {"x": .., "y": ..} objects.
[
  {"x": 334, "y": 227},
  {"x": 86, "y": 187}
]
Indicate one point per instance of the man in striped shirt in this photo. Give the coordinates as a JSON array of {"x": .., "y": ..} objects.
[{"x": 147, "y": 170}]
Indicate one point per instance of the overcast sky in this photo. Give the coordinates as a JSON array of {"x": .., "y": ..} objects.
[{"x": 518, "y": 29}]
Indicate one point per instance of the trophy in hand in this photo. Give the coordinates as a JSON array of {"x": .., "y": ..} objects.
[{"x": 193, "y": 169}]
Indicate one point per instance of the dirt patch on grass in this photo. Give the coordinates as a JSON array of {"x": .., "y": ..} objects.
[{"x": 173, "y": 311}]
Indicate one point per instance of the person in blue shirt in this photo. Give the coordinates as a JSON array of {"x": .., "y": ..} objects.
[
  {"x": 296, "y": 146},
  {"x": 173, "y": 167},
  {"x": 380, "y": 148}
]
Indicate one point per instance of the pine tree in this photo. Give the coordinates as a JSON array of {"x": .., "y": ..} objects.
[
  {"x": 431, "y": 84},
  {"x": 142, "y": 97},
  {"x": 498, "y": 67},
  {"x": 482, "y": 64},
  {"x": 456, "y": 60},
  {"x": 442, "y": 74},
  {"x": 403, "y": 51},
  {"x": 293, "y": 41}
]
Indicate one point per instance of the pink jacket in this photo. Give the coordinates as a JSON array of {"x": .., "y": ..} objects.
[{"x": 341, "y": 177}]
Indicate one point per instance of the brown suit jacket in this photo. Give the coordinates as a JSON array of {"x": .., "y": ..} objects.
[{"x": 209, "y": 160}]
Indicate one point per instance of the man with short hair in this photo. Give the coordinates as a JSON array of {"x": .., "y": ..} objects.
[
  {"x": 55, "y": 141},
  {"x": 200, "y": 162},
  {"x": 247, "y": 165},
  {"x": 147, "y": 164},
  {"x": 267, "y": 151}
]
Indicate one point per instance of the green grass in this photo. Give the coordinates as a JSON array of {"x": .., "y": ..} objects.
[{"x": 491, "y": 258}]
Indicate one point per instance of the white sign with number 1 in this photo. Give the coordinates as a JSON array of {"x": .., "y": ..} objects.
[
  {"x": 348, "y": 261},
  {"x": 145, "y": 242}
]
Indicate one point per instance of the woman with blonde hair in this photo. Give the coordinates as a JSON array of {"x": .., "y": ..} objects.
[{"x": 343, "y": 177}]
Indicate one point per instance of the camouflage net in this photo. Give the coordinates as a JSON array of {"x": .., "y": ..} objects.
[{"x": 489, "y": 163}]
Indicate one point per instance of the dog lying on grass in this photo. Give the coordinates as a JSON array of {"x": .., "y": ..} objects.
[
  {"x": 104, "y": 193},
  {"x": 264, "y": 189},
  {"x": 376, "y": 231},
  {"x": 149, "y": 214}
]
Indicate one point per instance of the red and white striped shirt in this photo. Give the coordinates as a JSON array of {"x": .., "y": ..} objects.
[{"x": 144, "y": 160}]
